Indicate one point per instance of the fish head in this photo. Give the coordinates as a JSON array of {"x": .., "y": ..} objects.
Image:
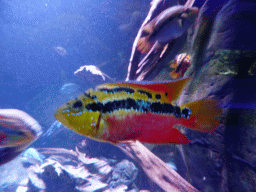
[
  {"x": 81, "y": 114},
  {"x": 189, "y": 16}
]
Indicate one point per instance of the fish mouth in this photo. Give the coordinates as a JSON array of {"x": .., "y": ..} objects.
[
  {"x": 58, "y": 116},
  {"x": 60, "y": 111}
]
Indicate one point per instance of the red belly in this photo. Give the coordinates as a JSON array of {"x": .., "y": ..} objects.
[{"x": 145, "y": 127}]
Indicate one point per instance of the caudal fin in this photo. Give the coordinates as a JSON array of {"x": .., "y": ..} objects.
[{"x": 205, "y": 116}]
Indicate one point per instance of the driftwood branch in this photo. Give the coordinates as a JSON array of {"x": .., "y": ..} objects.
[{"x": 156, "y": 170}]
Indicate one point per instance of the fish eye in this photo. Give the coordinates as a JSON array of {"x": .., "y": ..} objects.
[{"x": 78, "y": 105}]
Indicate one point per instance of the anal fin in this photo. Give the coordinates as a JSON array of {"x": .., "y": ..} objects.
[{"x": 170, "y": 136}]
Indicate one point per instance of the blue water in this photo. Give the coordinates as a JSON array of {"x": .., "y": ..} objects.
[
  {"x": 43, "y": 42},
  {"x": 87, "y": 30}
]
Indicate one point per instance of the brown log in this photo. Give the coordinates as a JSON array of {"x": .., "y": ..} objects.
[{"x": 156, "y": 170}]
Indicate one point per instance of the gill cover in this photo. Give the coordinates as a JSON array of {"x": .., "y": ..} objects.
[{"x": 76, "y": 116}]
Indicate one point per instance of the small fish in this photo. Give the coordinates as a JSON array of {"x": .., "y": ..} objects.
[
  {"x": 118, "y": 112},
  {"x": 17, "y": 131},
  {"x": 60, "y": 50},
  {"x": 180, "y": 65},
  {"x": 166, "y": 27},
  {"x": 252, "y": 69}
]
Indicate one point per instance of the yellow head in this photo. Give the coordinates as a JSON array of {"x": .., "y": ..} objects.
[{"x": 81, "y": 115}]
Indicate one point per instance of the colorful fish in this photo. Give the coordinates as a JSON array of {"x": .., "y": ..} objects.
[
  {"x": 137, "y": 111},
  {"x": 180, "y": 65},
  {"x": 167, "y": 26},
  {"x": 17, "y": 131}
]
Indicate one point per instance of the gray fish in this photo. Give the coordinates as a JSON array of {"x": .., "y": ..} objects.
[
  {"x": 167, "y": 26},
  {"x": 162, "y": 35}
]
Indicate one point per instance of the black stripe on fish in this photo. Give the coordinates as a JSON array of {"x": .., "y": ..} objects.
[
  {"x": 149, "y": 95},
  {"x": 89, "y": 95},
  {"x": 95, "y": 106},
  {"x": 158, "y": 96},
  {"x": 139, "y": 105},
  {"x": 117, "y": 89}
]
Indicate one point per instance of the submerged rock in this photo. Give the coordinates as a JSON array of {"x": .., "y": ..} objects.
[
  {"x": 222, "y": 56},
  {"x": 92, "y": 74},
  {"x": 161, "y": 36},
  {"x": 124, "y": 173},
  {"x": 31, "y": 157},
  {"x": 12, "y": 175},
  {"x": 68, "y": 170}
]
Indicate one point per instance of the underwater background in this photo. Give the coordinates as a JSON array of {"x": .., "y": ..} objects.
[
  {"x": 90, "y": 32},
  {"x": 34, "y": 73}
]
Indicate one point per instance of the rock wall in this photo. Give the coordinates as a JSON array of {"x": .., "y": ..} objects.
[{"x": 223, "y": 53}]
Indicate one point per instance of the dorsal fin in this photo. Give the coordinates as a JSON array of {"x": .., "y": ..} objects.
[{"x": 172, "y": 88}]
